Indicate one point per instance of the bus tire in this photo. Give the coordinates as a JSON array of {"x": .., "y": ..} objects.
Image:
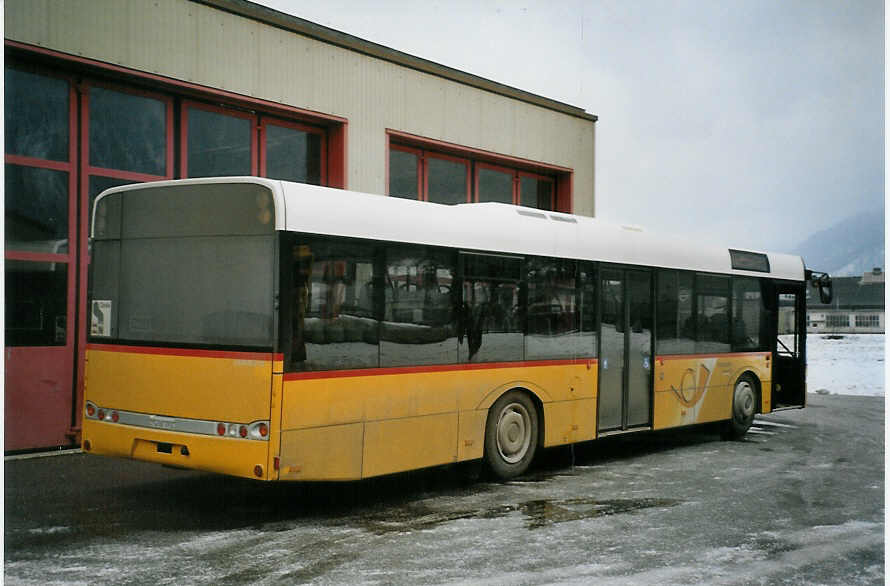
[
  {"x": 744, "y": 407},
  {"x": 511, "y": 435}
]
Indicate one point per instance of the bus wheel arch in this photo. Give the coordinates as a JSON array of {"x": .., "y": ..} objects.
[
  {"x": 513, "y": 432},
  {"x": 744, "y": 406}
]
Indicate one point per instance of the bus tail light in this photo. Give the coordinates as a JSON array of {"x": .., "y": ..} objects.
[
  {"x": 256, "y": 430},
  {"x": 258, "y": 471}
]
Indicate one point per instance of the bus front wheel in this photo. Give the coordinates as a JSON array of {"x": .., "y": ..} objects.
[
  {"x": 511, "y": 435},
  {"x": 744, "y": 407}
]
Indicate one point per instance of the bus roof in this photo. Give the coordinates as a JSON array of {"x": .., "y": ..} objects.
[{"x": 493, "y": 227}]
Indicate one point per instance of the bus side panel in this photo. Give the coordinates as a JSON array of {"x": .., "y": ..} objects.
[
  {"x": 698, "y": 389},
  {"x": 397, "y": 445},
  {"x": 568, "y": 422},
  {"x": 401, "y": 410},
  {"x": 225, "y": 387},
  {"x": 322, "y": 453}
]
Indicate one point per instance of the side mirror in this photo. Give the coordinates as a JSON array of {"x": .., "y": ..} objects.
[{"x": 821, "y": 281}]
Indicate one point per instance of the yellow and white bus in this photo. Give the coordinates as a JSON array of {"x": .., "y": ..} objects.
[{"x": 282, "y": 331}]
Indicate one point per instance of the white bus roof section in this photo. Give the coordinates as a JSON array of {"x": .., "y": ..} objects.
[
  {"x": 487, "y": 227},
  {"x": 505, "y": 228}
]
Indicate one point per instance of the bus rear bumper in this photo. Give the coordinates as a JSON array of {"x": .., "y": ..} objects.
[{"x": 224, "y": 455}]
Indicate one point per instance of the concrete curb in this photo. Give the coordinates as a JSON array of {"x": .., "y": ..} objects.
[{"x": 64, "y": 452}]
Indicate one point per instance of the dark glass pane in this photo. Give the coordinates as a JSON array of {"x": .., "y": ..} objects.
[
  {"x": 196, "y": 290},
  {"x": 195, "y": 210},
  {"x": 36, "y": 209},
  {"x": 446, "y": 181},
  {"x": 403, "y": 174},
  {"x": 108, "y": 220},
  {"x": 218, "y": 144},
  {"x": 587, "y": 296},
  {"x": 639, "y": 359},
  {"x": 712, "y": 313},
  {"x": 331, "y": 300},
  {"x": 293, "y": 155},
  {"x": 417, "y": 324},
  {"x": 749, "y": 261},
  {"x": 536, "y": 193},
  {"x": 104, "y": 286},
  {"x": 128, "y": 132},
  {"x": 491, "y": 319},
  {"x": 36, "y": 115},
  {"x": 492, "y": 267},
  {"x": 36, "y": 303},
  {"x": 675, "y": 331},
  {"x": 747, "y": 308},
  {"x": 551, "y": 311},
  {"x": 611, "y": 377},
  {"x": 495, "y": 186}
]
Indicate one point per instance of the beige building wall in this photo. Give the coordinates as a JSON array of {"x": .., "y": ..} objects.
[{"x": 201, "y": 44}]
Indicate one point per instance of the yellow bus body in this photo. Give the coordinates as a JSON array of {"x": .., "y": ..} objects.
[
  {"x": 174, "y": 383},
  {"x": 348, "y": 425}
]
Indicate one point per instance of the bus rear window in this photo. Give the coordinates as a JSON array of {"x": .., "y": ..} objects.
[
  {"x": 207, "y": 209},
  {"x": 189, "y": 265}
]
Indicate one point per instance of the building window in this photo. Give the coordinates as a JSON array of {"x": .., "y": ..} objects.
[
  {"x": 447, "y": 179},
  {"x": 451, "y": 174},
  {"x": 868, "y": 321},
  {"x": 837, "y": 321}
]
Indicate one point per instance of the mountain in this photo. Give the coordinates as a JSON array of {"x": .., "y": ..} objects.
[{"x": 849, "y": 248}]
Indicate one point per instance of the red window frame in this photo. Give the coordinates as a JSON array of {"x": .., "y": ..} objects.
[
  {"x": 513, "y": 173},
  {"x": 435, "y": 155},
  {"x": 265, "y": 121},
  {"x": 561, "y": 178},
  {"x": 183, "y": 132},
  {"x": 70, "y": 167}
]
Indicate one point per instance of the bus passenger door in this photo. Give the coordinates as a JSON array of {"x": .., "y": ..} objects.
[
  {"x": 789, "y": 348},
  {"x": 625, "y": 379}
]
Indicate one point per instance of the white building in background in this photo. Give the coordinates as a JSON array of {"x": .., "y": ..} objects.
[{"x": 857, "y": 306}]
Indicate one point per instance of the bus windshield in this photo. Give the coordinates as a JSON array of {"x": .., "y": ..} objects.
[{"x": 190, "y": 264}]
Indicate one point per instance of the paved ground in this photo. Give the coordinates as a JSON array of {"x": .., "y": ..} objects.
[{"x": 801, "y": 501}]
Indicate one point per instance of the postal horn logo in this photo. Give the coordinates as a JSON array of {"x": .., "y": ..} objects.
[{"x": 692, "y": 385}]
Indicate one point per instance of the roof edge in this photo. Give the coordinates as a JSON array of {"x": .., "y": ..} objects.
[{"x": 322, "y": 33}]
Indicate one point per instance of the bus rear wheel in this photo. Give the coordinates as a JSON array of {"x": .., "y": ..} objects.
[
  {"x": 744, "y": 407},
  {"x": 511, "y": 435}
]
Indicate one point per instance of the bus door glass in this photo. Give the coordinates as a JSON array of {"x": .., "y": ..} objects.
[
  {"x": 789, "y": 386},
  {"x": 625, "y": 381}
]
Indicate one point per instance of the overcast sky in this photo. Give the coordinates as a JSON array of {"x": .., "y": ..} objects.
[{"x": 752, "y": 123}]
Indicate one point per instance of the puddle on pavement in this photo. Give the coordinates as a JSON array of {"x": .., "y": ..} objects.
[{"x": 538, "y": 513}]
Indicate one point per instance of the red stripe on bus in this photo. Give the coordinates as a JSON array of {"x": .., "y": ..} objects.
[
  {"x": 717, "y": 355},
  {"x": 186, "y": 352},
  {"x": 432, "y": 368}
]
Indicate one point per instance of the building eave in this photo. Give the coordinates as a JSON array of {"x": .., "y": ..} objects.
[{"x": 316, "y": 31}]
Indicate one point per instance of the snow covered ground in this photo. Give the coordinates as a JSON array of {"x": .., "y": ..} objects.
[{"x": 850, "y": 364}]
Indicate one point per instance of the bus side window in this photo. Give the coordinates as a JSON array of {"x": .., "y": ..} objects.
[
  {"x": 334, "y": 324},
  {"x": 491, "y": 314},
  {"x": 747, "y": 308}
]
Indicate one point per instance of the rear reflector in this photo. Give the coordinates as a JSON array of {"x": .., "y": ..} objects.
[{"x": 258, "y": 471}]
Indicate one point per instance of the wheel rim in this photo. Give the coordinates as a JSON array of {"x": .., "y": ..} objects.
[
  {"x": 514, "y": 432},
  {"x": 744, "y": 402}
]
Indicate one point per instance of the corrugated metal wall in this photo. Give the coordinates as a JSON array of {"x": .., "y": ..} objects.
[{"x": 203, "y": 45}]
